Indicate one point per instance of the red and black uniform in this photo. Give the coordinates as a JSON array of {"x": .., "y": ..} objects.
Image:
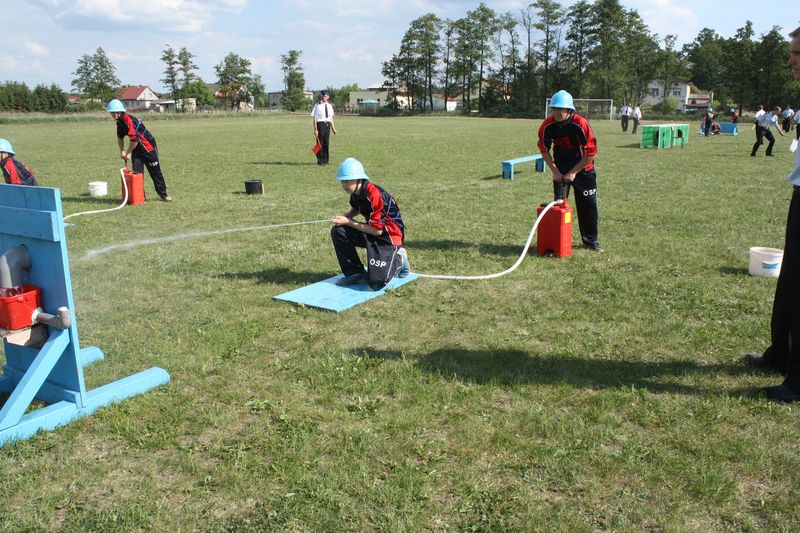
[
  {"x": 145, "y": 153},
  {"x": 17, "y": 173},
  {"x": 570, "y": 140},
  {"x": 381, "y": 211}
]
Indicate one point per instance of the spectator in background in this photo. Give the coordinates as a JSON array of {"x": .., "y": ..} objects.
[
  {"x": 625, "y": 115},
  {"x": 787, "y": 116},
  {"x": 322, "y": 116},
  {"x": 709, "y": 120},
  {"x": 637, "y": 116}
]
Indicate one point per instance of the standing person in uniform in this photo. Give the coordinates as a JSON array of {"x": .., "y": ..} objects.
[
  {"x": 15, "y": 172},
  {"x": 625, "y": 115},
  {"x": 787, "y": 116},
  {"x": 637, "y": 116},
  {"x": 574, "y": 148},
  {"x": 322, "y": 115},
  {"x": 763, "y": 125},
  {"x": 783, "y": 355},
  {"x": 382, "y": 234},
  {"x": 709, "y": 120},
  {"x": 142, "y": 147},
  {"x": 796, "y": 121}
]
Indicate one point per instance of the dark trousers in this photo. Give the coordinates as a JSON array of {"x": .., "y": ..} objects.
[
  {"x": 760, "y": 134},
  {"x": 324, "y": 135},
  {"x": 625, "y": 119},
  {"x": 784, "y": 351},
  {"x": 150, "y": 159},
  {"x": 585, "y": 186},
  {"x": 384, "y": 262},
  {"x": 635, "y": 125},
  {"x": 707, "y": 126},
  {"x": 798, "y": 132},
  {"x": 787, "y": 124}
]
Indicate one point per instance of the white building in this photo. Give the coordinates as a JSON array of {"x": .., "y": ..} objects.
[
  {"x": 686, "y": 94},
  {"x": 137, "y": 97}
]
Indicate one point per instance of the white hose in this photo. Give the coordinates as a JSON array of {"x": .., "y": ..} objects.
[
  {"x": 514, "y": 266},
  {"x": 120, "y": 206}
]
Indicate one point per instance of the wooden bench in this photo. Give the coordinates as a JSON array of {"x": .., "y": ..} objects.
[{"x": 508, "y": 166}]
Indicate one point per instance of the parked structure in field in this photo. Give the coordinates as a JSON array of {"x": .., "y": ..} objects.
[{"x": 689, "y": 98}]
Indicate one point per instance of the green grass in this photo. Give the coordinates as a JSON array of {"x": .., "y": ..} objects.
[{"x": 601, "y": 392}]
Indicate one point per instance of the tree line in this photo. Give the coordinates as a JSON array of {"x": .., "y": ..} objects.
[{"x": 510, "y": 62}]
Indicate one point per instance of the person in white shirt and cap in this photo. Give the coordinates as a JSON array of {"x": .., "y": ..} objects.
[
  {"x": 783, "y": 355},
  {"x": 322, "y": 115},
  {"x": 637, "y": 116},
  {"x": 787, "y": 116},
  {"x": 763, "y": 125}
]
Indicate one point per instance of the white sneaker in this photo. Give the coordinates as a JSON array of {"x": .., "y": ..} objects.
[{"x": 405, "y": 267}]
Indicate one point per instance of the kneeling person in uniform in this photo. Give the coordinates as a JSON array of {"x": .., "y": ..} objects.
[
  {"x": 382, "y": 234},
  {"x": 15, "y": 172}
]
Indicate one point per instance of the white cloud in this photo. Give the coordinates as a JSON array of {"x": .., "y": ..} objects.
[
  {"x": 36, "y": 49},
  {"x": 186, "y": 16},
  {"x": 668, "y": 17}
]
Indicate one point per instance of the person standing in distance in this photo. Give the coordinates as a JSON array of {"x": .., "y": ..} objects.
[
  {"x": 625, "y": 115},
  {"x": 322, "y": 115},
  {"x": 783, "y": 354},
  {"x": 574, "y": 148},
  {"x": 637, "y": 116},
  {"x": 763, "y": 125},
  {"x": 142, "y": 147}
]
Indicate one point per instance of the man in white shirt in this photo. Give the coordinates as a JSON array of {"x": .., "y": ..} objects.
[
  {"x": 760, "y": 112},
  {"x": 783, "y": 355},
  {"x": 637, "y": 116},
  {"x": 787, "y": 116},
  {"x": 763, "y": 125},
  {"x": 322, "y": 115},
  {"x": 625, "y": 115}
]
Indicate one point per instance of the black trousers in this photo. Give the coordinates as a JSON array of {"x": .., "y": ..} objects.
[
  {"x": 784, "y": 350},
  {"x": 625, "y": 119},
  {"x": 760, "y": 134},
  {"x": 787, "y": 124},
  {"x": 142, "y": 158},
  {"x": 635, "y": 125},
  {"x": 324, "y": 134},
  {"x": 798, "y": 132},
  {"x": 585, "y": 186},
  {"x": 707, "y": 126},
  {"x": 384, "y": 262}
]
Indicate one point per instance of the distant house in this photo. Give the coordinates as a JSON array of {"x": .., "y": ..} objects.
[
  {"x": 137, "y": 97},
  {"x": 275, "y": 99},
  {"x": 687, "y": 95},
  {"x": 378, "y": 96}
]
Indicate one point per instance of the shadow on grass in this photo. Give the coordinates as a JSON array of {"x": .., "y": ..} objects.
[
  {"x": 483, "y": 248},
  {"x": 495, "y": 177},
  {"x": 86, "y": 199},
  {"x": 734, "y": 271},
  {"x": 278, "y": 276},
  {"x": 635, "y": 145},
  {"x": 284, "y": 163},
  {"x": 514, "y": 367}
]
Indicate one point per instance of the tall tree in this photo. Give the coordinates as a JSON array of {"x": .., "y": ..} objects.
[
  {"x": 607, "y": 70},
  {"x": 186, "y": 67},
  {"x": 448, "y": 41},
  {"x": 170, "y": 79},
  {"x": 773, "y": 78},
  {"x": 294, "y": 98},
  {"x": 670, "y": 65},
  {"x": 705, "y": 56},
  {"x": 233, "y": 73},
  {"x": 580, "y": 40},
  {"x": 551, "y": 19},
  {"x": 484, "y": 26},
  {"x": 739, "y": 78},
  {"x": 641, "y": 49},
  {"x": 96, "y": 76},
  {"x": 424, "y": 42}
]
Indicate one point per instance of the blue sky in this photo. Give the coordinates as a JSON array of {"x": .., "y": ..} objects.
[{"x": 343, "y": 41}]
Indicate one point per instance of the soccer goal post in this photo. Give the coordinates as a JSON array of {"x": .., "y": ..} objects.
[{"x": 591, "y": 108}]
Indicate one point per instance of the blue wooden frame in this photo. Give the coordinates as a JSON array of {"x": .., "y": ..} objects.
[
  {"x": 52, "y": 374},
  {"x": 508, "y": 165}
]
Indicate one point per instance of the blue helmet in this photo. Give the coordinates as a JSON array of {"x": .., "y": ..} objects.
[
  {"x": 5, "y": 146},
  {"x": 351, "y": 169},
  {"x": 562, "y": 100},
  {"x": 115, "y": 106}
]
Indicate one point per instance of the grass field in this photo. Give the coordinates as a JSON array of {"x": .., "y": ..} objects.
[{"x": 599, "y": 393}]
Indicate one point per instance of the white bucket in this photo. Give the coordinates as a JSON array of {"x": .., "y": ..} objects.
[
  {"x": 98, "y": 189},
  {"x": 765, "y": 261}
]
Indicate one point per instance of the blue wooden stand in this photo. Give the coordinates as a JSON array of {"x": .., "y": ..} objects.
[{"x": 52, "y": 374}]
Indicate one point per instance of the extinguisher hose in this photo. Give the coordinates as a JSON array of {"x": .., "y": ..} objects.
[
  {"x": 120, "y": 206},
  {"x": 510, "y": 269}
]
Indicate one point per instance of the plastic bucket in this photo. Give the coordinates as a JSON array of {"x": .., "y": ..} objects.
[
  {"x": 254, "y": 187},
  {"x": 98, "y": 189},
  {"x": 765, "y": 261}
]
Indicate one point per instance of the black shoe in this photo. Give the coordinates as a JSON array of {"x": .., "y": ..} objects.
[
  {"x": 352, "y": 279},
  {"x": 769, "y": 155},
  {"x": 781, "y": 393},
  {"x": 593, "y": 246},
  {"x": 759, "y": 361},
  {"x": 753, "y": 154}
]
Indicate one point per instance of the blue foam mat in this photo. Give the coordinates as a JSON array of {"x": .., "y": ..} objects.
[{"x": 327, "y": 295}]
